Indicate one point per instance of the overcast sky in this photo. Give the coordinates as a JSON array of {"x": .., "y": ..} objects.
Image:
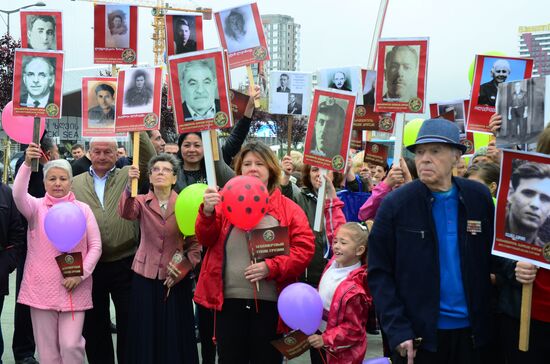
[{"x": 340, "y": 35}]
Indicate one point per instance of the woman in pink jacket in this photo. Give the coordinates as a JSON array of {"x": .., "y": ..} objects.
[{"x": 57, "y": 324}]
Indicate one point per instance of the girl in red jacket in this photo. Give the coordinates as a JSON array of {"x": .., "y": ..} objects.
[{"x": 343, "y": 289}]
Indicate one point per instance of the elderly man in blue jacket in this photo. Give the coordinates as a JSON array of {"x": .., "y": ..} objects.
[{"x": 429, "y": 257}]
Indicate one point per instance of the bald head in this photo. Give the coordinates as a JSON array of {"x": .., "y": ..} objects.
[{"x": 501, "y": 70}]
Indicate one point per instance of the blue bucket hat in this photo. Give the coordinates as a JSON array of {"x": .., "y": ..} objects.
[{"x": 438, "y": 131}]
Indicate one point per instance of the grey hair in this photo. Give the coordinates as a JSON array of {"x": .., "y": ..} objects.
[
  {"x": 164, "y": 157},
  {"x": 61, "y": 164},
  {"x": 501, "y": 63},
  {"x": 103, "y": 140}
]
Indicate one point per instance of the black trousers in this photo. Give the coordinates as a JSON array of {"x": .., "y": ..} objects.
[
  {"x": 115, "y": 279},
  {"x": 206, "y": 331},
  {"x": 453, "y": 347},
  {"x": 23, "y": 345},
  {"x": 538, "y": 341},
  {"x": 244, "y": 335}
]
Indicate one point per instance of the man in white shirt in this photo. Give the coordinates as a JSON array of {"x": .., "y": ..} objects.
[{"x": 39, "y": 80}]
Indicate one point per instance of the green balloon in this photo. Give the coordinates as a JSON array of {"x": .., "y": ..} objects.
[
  {"x": 410, "y": 132},
  {"x": 473, "y": 64},
  {"x": 187, "y": 207}
]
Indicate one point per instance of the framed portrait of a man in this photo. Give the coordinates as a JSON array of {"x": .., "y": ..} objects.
[
  {"x": 42, "y": 30},
  {"x": 115, "y": 34},
  {"x": 183, "y": 33},
  {"x": 200, "y": 90},
  {"x": 329, "y": 129},
  {"x": 342, "y": 79},
  {"x": 289, "y": 93},
  {"x": 489, "y": 73},
  {"x": 525, "y": 109},
  {"x": 522, "y": 227},
  {"x": 38, "y": 83},
  {"x": 98, "y": 106},
  {"x": 241, "y": 32},
  {"x": 401, "y": 75},
  {"x": 138, "y": 99},
  {"x": 365, "y": 117}
]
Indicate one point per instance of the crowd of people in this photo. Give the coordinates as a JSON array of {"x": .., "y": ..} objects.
[{"x": 417, "y": 266}]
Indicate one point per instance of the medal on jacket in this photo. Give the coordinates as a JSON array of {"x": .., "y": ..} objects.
[{"x": 473, "y": 226}]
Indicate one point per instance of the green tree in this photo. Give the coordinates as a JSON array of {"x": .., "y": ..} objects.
[{"x": 7, "y": 56}]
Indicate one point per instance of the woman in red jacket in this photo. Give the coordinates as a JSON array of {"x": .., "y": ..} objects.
[{"x": 246, "y": 321}]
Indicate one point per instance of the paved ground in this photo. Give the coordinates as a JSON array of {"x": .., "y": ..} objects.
[{"x": 374, "y": 346}]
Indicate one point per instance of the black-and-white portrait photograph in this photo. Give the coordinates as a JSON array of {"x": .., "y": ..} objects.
[
  {"x": 528, "y": 203},
  {"x": 138, "y": 90},
  {"x": 326, "y": 139},
  {"x": 284, "y": 83},
  {"x": 524, "y": 110},
  {"x": 294, "y": 104},
  {"x": 289, "y": 92},
  {"x": 199, "y": 89},
  {"x": 401, "y": 73},
  {"x": 369, "y": 82},
  {"x": 239, "y": 28},
  {"x": 457, "y": 110},
  {"x": 117, "y": 26},
  {"x": 342, "y": 79},
  {"x": 41, "y": 32},
  {"x": 37, "y": 81},
  {"x": 101, "y": 104},
  {"x": 185, "y": 37}
]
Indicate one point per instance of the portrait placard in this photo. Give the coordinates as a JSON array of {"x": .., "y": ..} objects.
[
  {"x": 42, "y": 30},
  {"x": 365, "y": 117},
  {"x": 292, "y": 345},
  {"x": 329, "y": 129},
  {"x": 357, "y": 139},
  {"x": 38, "y": 83},
  {"x": 138, "y": 99},
  {"x": 200, "y": 90},
  {"x": 289, "y": 92},
  {"x": 376, "y": 153},
  {"x": 525, "y": 109},
  {"x": 343, "y": 79},
  {"x": 183, "y": 33},
  {"x": 522, "y": 227},
  {"x": 241, "y": 32},
  {"x": 98, "y": 106},
  {"x": 489, "y": 72},
  {"x": 238, "y": 103},
  {"x": 401, "y": 76},
  {"x": 70, "y": 264},
  {"x": 115, "y": 34}
]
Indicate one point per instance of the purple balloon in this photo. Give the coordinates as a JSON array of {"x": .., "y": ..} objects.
[
  {"x": 301, "y": 307},
  {"x": 377, "y": 361},
  {"x": 65, "y": 225}
]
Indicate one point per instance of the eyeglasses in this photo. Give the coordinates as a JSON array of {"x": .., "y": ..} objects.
[{"x": 163, "y": 170}]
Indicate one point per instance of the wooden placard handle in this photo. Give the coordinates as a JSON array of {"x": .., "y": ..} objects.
[
  {"x": 252, "y": 84},
  {"x": 525, "y": 316},
  {"x": 36, "y": 140},
  {"x": 135, "y": 162},
  {"x": 289, "y": 134}
]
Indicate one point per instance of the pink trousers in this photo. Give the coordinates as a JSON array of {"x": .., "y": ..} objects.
[{"x": 58, "y": 338}]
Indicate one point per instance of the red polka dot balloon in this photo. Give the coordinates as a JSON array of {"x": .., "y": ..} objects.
[{"x": 244, "y": 201}]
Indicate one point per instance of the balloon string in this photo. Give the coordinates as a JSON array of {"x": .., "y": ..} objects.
[
  {"x": 71, "y": 303},
  {"x": 322, "y": 356}
]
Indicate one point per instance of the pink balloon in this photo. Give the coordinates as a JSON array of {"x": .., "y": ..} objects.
[{"x": 19, "y": 128}]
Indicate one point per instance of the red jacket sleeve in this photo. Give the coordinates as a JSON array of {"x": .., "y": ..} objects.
[
  {"x": 352, "y": 329},
  {"x": 302, "y": 246},
  {"x": 207, "y": 228},
  {"x": 334, "y": 217}
]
